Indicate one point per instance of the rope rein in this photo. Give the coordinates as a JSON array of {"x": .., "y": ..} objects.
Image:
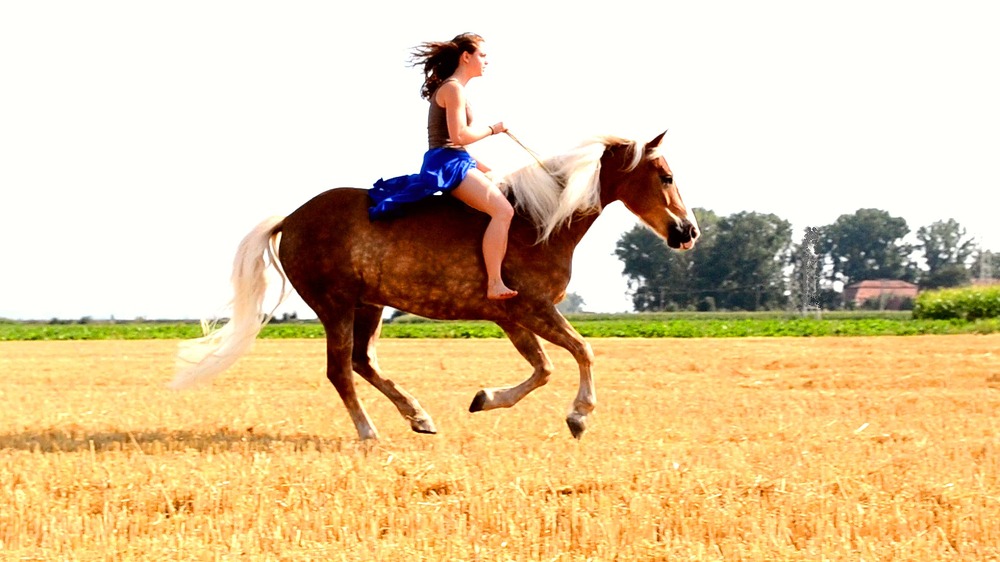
[{"x": 529, "y": 151}]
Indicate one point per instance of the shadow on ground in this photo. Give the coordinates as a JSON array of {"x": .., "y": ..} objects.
[{"x": 74, "y": 439}]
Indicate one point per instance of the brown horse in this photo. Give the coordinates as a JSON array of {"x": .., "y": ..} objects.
[{"x": 429, "y": 262}]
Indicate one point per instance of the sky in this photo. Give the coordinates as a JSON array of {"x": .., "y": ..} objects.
[{"x": 140, "y": 141}]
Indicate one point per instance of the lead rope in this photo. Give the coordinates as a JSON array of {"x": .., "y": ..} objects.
[{"x": 529, "y": 151}]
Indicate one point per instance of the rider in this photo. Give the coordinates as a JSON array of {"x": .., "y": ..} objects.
[{"x": 447, "y": 166}]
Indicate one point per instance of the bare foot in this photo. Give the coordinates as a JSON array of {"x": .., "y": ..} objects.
[{"x": 498, "y": 291}]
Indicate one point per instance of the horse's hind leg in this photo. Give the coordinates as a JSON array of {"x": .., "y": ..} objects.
[
  {"x": 338, "y": 322},
  {"x": 367, "y": 327},
  {"x": 531, "y": 349}
]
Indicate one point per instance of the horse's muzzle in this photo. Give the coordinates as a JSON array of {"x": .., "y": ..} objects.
[{"x": 682, "y": 236}]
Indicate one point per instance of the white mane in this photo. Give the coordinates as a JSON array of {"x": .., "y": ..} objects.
[{"x": 568, "y": 184}]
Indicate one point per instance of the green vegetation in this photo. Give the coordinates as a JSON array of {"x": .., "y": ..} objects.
[
  {"x": 644, "y": 325},
  {"x": 966, "y": 303},
  {"x": 96, "y": 330}
]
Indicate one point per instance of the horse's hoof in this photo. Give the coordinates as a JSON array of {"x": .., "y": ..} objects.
[
  {"x": 423, "y": 425},
  {"x": 577, "y": 425},
  {"x": 478, "y": 402}
]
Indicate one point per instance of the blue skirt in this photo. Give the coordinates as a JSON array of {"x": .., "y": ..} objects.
[{"x": 443, "y": 169}]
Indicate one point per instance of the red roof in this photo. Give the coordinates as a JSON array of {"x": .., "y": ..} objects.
[{"x": 881, "y": 284}]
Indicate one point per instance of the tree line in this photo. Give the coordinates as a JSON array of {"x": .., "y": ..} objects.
[{"x": 749, "y": 261}]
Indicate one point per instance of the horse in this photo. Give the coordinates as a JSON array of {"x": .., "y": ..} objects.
[{"x": 428, "y": 262}]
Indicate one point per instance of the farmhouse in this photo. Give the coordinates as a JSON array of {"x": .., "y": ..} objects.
[{"x": 889, "y": 293}]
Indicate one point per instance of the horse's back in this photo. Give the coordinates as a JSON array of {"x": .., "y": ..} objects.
[
  {"x": 340, "y": 216},
  {"x": 339, "y": 205},
  {"x": 316, "y": 238},
  {"x": 330, "y": 242},
  {"x": 428, "y": 260}
]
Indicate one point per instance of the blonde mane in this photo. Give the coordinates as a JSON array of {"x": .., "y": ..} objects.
[{"x": 568, "y": 184}]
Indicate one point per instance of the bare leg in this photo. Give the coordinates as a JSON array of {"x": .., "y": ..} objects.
[
  {"x": 367, "y": 326},
  {"x": 530, "y": 348},
  {"x": 478, "y": 192}
]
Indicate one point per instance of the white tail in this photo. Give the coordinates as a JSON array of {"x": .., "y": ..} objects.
[{"x": 202, "y": 359}]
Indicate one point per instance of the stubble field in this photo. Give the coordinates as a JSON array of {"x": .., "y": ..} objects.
[{"x": 701, "y": 449}]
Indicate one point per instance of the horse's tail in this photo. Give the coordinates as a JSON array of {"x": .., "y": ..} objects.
[{"x": 201, "y": 360}]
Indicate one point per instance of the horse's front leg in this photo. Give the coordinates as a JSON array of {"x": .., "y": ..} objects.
[
  {"x": 367, "y": 327},
  {"x": 504, "y": 397},
  {"x": 555, "y": 328}
]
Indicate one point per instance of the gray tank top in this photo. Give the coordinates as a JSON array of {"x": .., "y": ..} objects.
[{"x": 437, "y": 124}]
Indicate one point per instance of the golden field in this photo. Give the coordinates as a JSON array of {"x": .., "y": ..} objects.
[{"x": 718, "y": 449}]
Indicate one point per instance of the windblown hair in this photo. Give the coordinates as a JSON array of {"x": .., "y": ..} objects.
[
  {"x": 439, "y": 59},
  {"x": 568, "y": 184}
]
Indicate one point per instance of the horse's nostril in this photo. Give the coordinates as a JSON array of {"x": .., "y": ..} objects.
[{"x": 688, "y": 230}]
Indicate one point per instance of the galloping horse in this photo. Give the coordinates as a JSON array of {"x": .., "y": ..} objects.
[{"x": 428, "y": 262}]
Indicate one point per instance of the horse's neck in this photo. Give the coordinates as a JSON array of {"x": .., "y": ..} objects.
[
  {"x": 573, "y": 233},
  {"x": 569, "y": 236}
]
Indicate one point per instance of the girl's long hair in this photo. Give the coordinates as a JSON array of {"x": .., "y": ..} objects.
[{"x": 439, "y": 59}]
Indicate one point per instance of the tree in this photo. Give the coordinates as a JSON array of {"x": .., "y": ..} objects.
[
  {"x": 745, "y": 267},
  {"x": 660, "y": 278},
  {"x": 947, "y": 250},
  {"x": 738, "y": 263},
  {"x": 572, "y": 303},
  {"x": 650, "y": 267},
  {"x": 946, "y": 276},
  {"x": 867, "y": 245}
]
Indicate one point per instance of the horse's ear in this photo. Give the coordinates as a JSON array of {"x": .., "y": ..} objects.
[{"x": 656, "y": 142}]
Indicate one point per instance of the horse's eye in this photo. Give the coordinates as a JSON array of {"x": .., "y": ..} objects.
[{"x": 667, "y": 179}]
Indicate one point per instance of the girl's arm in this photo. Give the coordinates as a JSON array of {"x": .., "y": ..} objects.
[{"x": 460, "y": 131}]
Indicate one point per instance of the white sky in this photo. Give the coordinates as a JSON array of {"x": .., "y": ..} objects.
[{"x": 140, "y": 141}]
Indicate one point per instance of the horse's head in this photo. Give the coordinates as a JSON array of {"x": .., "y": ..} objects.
[{"x": 649, "y": 191}]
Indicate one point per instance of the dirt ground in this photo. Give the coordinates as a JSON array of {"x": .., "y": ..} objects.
[{"x": 700, "y": 449}]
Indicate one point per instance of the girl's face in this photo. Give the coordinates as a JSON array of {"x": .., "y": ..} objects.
[{"x": 476, "y": 61}]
